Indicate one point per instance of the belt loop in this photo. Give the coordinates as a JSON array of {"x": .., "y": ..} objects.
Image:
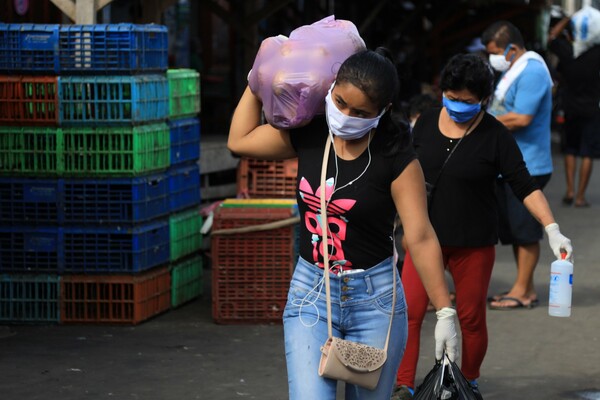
[
  {"x": 369, "y": 284},
  {"x": 317, "y": 279}
]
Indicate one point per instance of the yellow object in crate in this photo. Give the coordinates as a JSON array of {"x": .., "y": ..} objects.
[{"x": 259, "y": 203}]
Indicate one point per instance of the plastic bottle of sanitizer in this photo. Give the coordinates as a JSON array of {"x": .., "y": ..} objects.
[{"x": 561, "y": 288}]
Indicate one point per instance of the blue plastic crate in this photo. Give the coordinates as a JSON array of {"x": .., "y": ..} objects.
[
  {"x": 112, "y": 100},
  {"x": 113, "y": 49},
  {"x": 27, "y": 298},
  {"x": 29, "y": 48},
  {"x": 116, "y": 249},
  {"x": 31, "y": 249},
  {"x": 184, "y": 187},
  {"x": 185, "y": 140},
  {"x": 31, "y": 200},
  {"x": 122, "y": 201},
  {"x": 83, "y": 49}
]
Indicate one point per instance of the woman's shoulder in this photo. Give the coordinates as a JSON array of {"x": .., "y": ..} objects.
[
  {"x": 494, "y": 130},
  {"x": 432, "y": 112},
  {"x": 313, "y": 132},
  {"x": 427, "y": 122},
  {"x": 491, "y": 122}
]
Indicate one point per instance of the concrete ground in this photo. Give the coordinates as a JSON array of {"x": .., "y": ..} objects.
[{"x": 183, "y": 355}]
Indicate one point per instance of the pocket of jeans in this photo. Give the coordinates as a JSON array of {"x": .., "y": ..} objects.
[
  {"x": 384, "y": 303},
  {"x": 296, "y": 295}
]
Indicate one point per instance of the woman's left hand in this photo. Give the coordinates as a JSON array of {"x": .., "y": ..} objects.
[
  {"x": 559, "y": 243},
  {"x": 446, "y": 337}
]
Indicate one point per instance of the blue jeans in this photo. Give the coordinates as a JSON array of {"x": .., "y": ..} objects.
[{"x": 361, "y": 305}]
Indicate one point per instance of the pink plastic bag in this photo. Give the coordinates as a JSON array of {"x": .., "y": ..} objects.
[{"x": 292, "y": 75}]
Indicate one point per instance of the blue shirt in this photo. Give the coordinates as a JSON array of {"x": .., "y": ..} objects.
[{"x": 531, "y": 94}]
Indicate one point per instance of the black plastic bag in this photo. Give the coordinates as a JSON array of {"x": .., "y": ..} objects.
[{"x": 445, "y": 381}]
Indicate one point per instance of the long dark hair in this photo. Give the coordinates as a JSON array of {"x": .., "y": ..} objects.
[{"x": 374, "y": 73}]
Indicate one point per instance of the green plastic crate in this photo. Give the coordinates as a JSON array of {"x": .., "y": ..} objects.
[
  {"x": 186, "y": 280},
  {"x": 116, "y": 151},
  {"x": 26, "y": 150},
  {"x": 184, "y": 92},
  {"x": 184, "y": 231},
  {"x": 29, "y": 298}
]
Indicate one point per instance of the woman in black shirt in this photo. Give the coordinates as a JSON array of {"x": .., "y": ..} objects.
[
  {"x": 463, "y": 206},
  {"x": 370, "y": 178}
]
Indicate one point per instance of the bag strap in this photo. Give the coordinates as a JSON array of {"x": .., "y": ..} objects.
[
  {"x": 325, "y": 244},
  {"x": 437, "y": 178}
]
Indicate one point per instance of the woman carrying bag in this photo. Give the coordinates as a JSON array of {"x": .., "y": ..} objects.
[
  {"x": 463, "y": 149},
  {"x": 372, "y": 175}
]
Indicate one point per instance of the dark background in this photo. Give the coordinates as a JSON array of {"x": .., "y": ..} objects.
[{"x": 220, "y": 38}]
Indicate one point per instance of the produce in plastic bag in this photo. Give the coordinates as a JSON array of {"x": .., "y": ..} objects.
[
  {"x": 292, "y": 75},
  {"x": 586, "y": 30},
  {"x": 445, "y": 381}
]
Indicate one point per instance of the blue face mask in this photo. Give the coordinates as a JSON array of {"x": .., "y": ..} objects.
[{"x": 459, "y": 111}]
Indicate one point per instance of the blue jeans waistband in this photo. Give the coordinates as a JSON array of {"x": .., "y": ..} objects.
[{"x": 355, "y": 287}]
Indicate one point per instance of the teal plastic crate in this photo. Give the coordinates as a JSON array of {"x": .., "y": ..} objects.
[
  {"x": 187, "y": 280},
  {"x": 184, "y": 233},
  {"x": 29, "y": 298},
  {"x": 112, "y": 100},
  {"x": 184, "y": 92}
]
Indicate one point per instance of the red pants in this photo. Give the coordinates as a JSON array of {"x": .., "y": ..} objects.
[{"x": 471, "y": 270}]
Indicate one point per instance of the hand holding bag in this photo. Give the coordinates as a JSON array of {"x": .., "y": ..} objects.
[
  {"x": 344, "y": 360},
  {"x": 445, "y": 381}
]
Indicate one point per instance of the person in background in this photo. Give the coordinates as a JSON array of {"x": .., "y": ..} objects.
[
  {"x": 463, "y": 208},
  {"x": 418, "y": 104},
  {"x": 522, "y": 102},
  {"x": 579, "y": 80},
  {"x": 477, "y": 48},
  {"x": 372, "y": 175}
]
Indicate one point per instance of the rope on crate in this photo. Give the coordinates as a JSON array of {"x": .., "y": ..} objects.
[{"x": 257, "y": 228}]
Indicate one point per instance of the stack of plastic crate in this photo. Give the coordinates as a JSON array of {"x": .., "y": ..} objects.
[
  {"x": 253, "y": 254},
  {"x": 184, "y": 174},
  {"x": 265, "y": 179},
  {"x": 84, "y": 158}
]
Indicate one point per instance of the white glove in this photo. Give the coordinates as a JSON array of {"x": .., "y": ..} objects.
[
  {"x": 445, "y": 334},
  {"x": 558, "y": 241}
]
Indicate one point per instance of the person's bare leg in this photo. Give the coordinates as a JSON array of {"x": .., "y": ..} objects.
[
  {"x": 570, "y": 167},
  {"x": 585, "y": 172},
  {"x": 527, "y": 257}
]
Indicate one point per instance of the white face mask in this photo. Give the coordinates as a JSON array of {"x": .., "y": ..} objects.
[
  {"x": 499, "y": 63},
  {"x": 347, "y": 127}
]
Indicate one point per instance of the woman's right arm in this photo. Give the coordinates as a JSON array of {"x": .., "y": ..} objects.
[
  {"x": 249, "y": 138},
  {"x": 408, "y": 191}
]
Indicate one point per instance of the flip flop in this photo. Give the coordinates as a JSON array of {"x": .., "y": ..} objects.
[
  {"x": 518, "y": 304},
  {"x": 585, "y": 204},
  {"x": 497, "y": 297},
  {"x": 567, "y": 201}
]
